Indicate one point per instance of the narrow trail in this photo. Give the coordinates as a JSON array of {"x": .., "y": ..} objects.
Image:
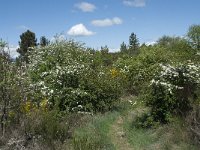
[{"x": 118, "y": 136}]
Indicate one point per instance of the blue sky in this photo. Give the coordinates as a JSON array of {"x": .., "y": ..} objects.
[{"x": 97, "y": 22}]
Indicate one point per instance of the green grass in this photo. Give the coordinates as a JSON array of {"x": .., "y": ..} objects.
[
  {"x": 167, "y": 137},
  {"x": 94, "y": 135}
]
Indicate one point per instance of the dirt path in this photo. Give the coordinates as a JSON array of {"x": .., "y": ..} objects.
[{"x": 118, "y": 136}]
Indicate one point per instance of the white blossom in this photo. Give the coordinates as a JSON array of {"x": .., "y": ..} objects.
[{"x": 170, "y": 74}]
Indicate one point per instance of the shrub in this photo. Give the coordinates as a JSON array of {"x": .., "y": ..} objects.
[
  {"x": 12, "y": 89},
  {"x": 140, "y": 70},
  {"x": 173, "y": 91},
  {"x": 50, "y": 128},
  {"x": 64, "y": 74},
  {"x": 193, "y": 120}
]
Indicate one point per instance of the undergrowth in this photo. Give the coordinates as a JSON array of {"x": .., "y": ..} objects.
[
  {"x": 169, "y": 136},
  {"x": 94, "y": 135}
]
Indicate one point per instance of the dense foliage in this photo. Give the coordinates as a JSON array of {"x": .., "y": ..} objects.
[
  {"x": 27, "y": 41},
  {"x": 65, "y": 75},
  {"x": 50, "y": 91},
  {"x": 173, "y": 90},
  {"x": 194, "y": 36}
]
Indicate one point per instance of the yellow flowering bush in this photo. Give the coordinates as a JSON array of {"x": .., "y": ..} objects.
[
  {"x": 27, "y": 106},
  {"x": 11, "y": 114},
  {"x": 114, "y": 72},
  {"x": 44, "y": 104}
]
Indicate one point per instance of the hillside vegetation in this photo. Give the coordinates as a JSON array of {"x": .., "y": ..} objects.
[{"x": 64, "y": 95}]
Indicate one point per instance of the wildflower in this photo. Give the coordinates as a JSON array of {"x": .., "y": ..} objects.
[
  {"x": 11, "y": 114},
  {"x": 131, "y": 102},
  {"x": 114, "y": 72},
  {"x": 80, "y": 106},
  {"x": 44, "y": 104}
]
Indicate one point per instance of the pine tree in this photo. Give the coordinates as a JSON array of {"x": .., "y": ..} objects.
[
  {"x": 123, "y": 48},
  {"x": 28, "y": 41},
  {"x": 44, "y": 41},
  {"x": 133, "y": 44},
  {"x": 104, "y": 50}
]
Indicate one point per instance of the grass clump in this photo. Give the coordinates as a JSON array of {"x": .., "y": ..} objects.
[
  {"x": 94, "y": 135},
  {"x": 168, "y": 136}
]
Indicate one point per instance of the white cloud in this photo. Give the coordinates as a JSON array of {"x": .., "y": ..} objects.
[
  {"x": 79, "y": 30},
  {"x": 113, "y": 50},
  {"x": 23, "y": 27},
  {"x": 12, "y": 50},
  {"x": 85, "y": 7},
  {"x": 134, "y": 3},
  {"x": 150, "y": 43},
  {"x": 107, "y": 22}
]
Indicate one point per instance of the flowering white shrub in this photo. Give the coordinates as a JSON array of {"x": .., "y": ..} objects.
[
  {"x": 173, "y": 90},
  {"x": 62, "y": 74},
  {"x": 175, "y": 77},
  {"x": 57, "y": 67}
]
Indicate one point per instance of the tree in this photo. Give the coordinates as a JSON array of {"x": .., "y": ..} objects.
[
  {"x": 173, "y": 43},
  {"x": 104, "y": 50},
  {"x": 3, "y": 53},
  {"x": 105, "y": 56},
  {"x": 5, "y": 93},
  {"x": 123, "y": 48},
  {"x": 165, "y": 41},
  {"x": 44, "y": 41},
  {"x": 194, "y": 36},
  {"x": 133, "y": 44},
  {"x": 28, "y": 41}
]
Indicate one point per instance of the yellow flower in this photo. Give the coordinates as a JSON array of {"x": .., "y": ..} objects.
[
  {"x": 11, "y": 114},
  {"x": 114, "y": 72},
  {"x": 26, "y": 107},
  {"x": 44, "y": 104}
]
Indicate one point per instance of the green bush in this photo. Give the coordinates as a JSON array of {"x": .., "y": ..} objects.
[
  {"x": 192, "y": 120},
  {"x": 13, "y": 89},
  {"x": 140, "y": 70},
  {"x": 173, "y": 91},
  {"x": 64, "y": 73},
  {"x": 50, "y": 128},
  {"x": 48, "y": 125}
]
